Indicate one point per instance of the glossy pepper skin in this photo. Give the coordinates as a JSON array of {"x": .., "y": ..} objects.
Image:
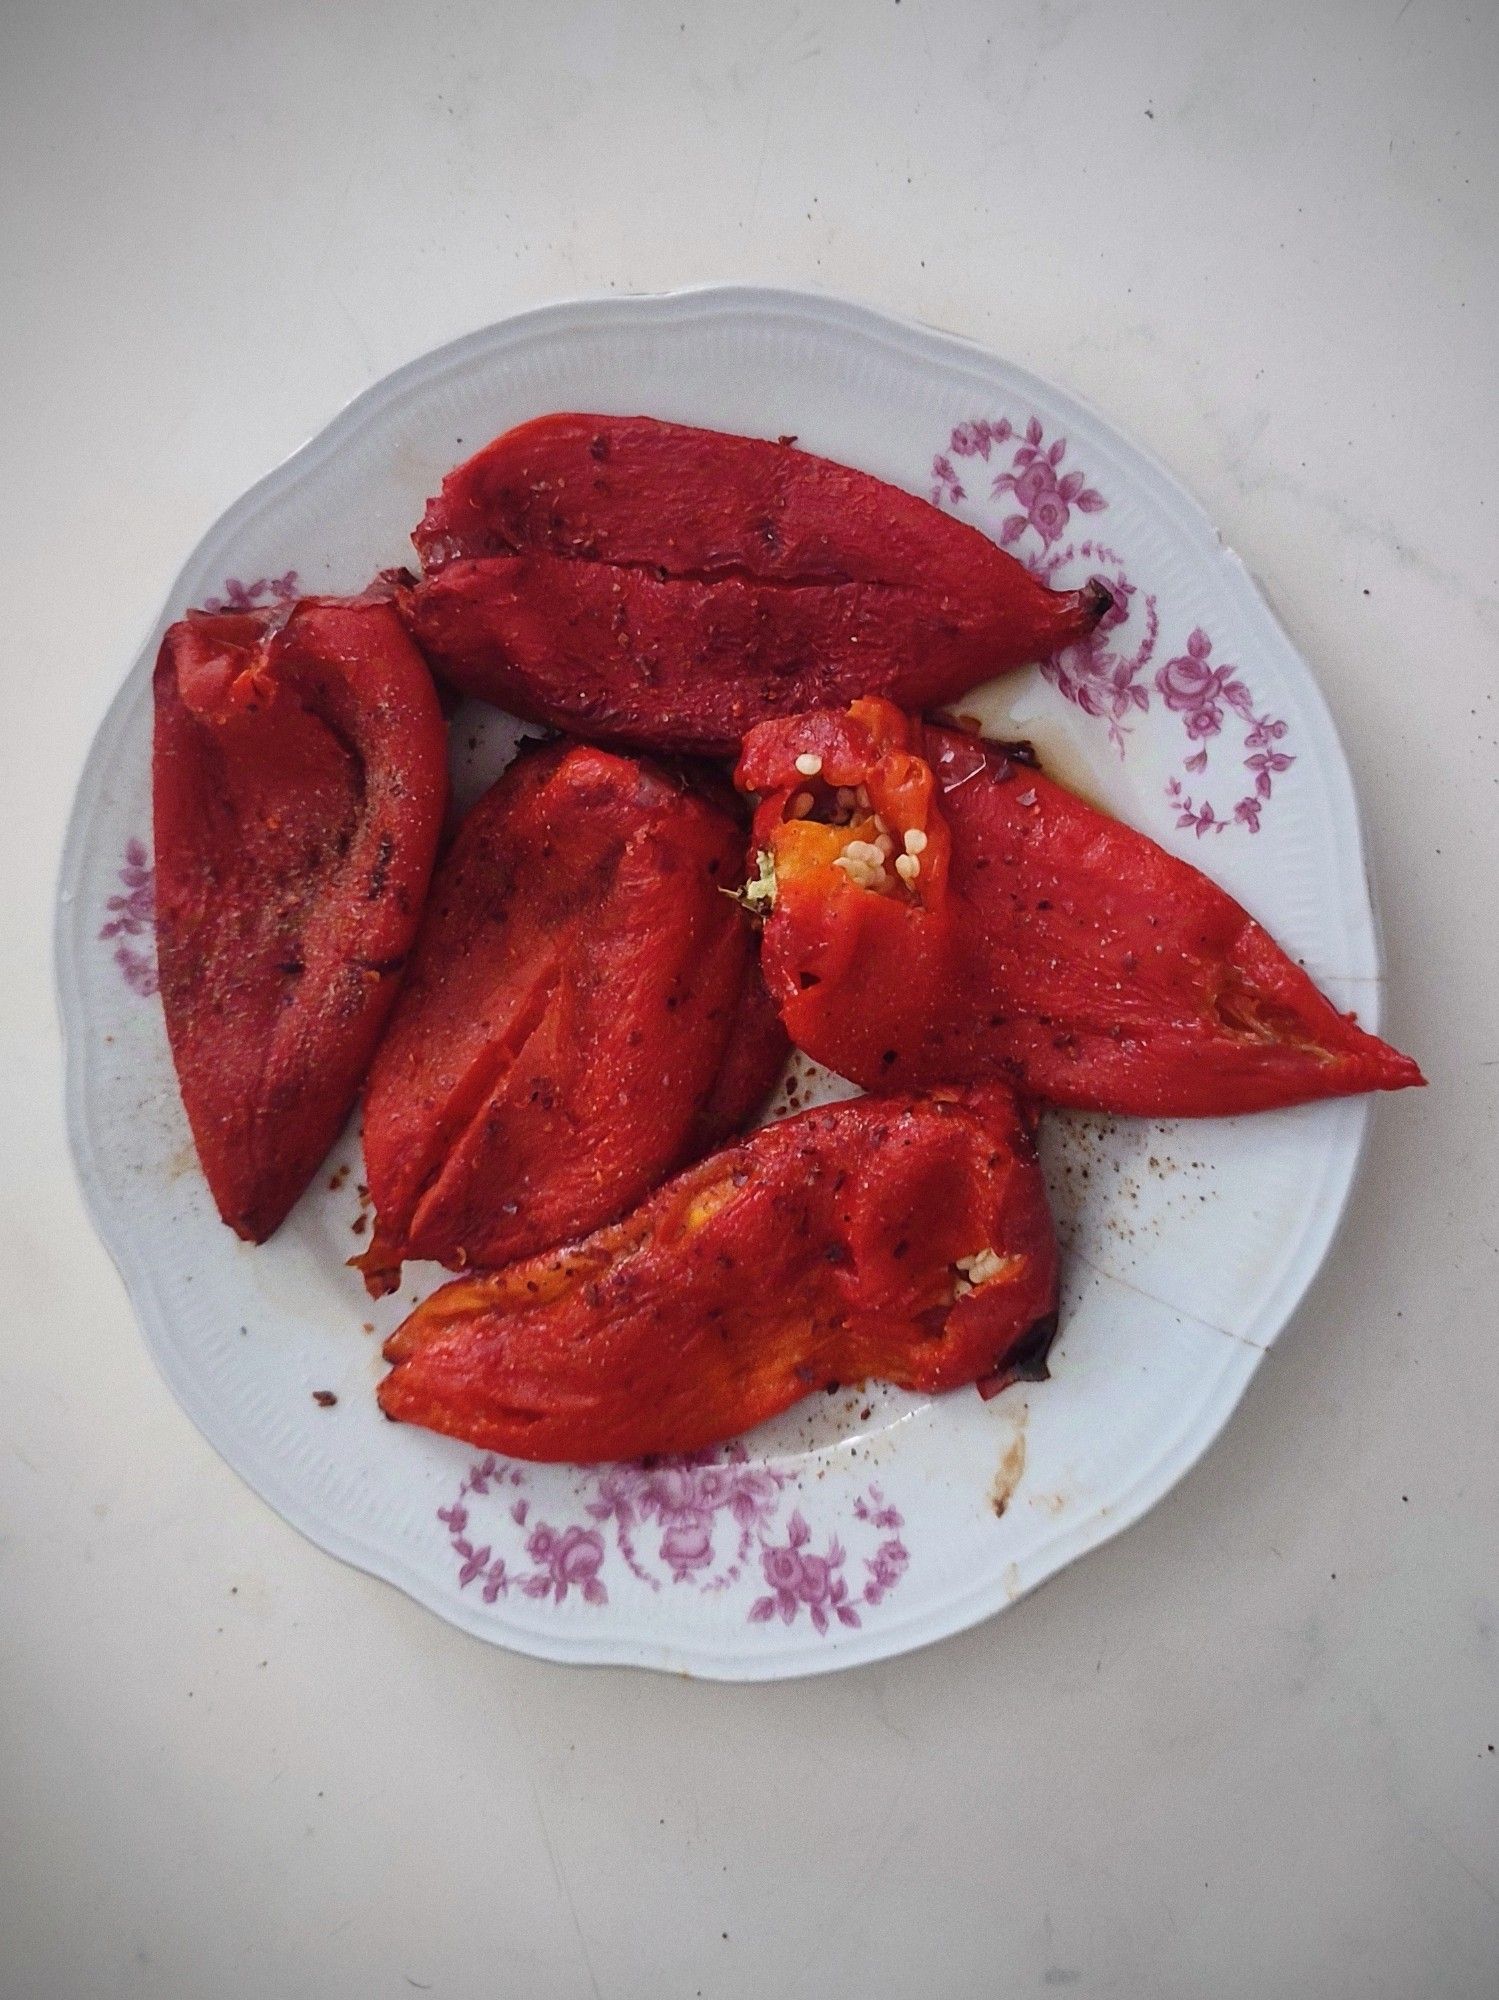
[
  {"x": 652, "y": 584},
  {"x": 583, "y": 1013},
  {"x": 299, "y": 783},
  {"x": 828, "y": 1248},
  {"x": 1041, "y": 942}
]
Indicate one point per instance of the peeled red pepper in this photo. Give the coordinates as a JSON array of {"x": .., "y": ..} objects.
[
  {"x": 905, "y": 1238},
  {"x": 583, "y": 1013},
  {"x": 299, "y": 780},
  {"x": 1013, "y": 932},
  {"x": 649, "y": 583}
]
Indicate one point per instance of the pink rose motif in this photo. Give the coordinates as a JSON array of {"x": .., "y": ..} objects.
[
  {"x": 1193, "y": 688},
  {"x": 812, "y": 1585},
  {"x": 570, "y": 1560},
  {"x": 1047, "y": 497},
  {"x": 687, "y": 1545},
  {"x": 1037, "y": 479},
  {"x": 579, "y": 1558},
  {"x": 1049, "y": 515},
  {"x": 1204, "y": 721},
  {"x": 797, "y": 1577},
  {"x": 1200, "y": 693},
  {"x": 783, "y": 1571}
]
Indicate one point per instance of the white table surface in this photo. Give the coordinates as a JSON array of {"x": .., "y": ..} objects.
[{"x": 1246, "y": 1750}]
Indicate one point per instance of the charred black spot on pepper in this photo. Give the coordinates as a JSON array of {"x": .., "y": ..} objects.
[{"x": 381, "y": 870}]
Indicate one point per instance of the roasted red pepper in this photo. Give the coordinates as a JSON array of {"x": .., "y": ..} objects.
[
  {"x": 944, "y": 911},
  {"x": 582, "y": 1014},
  {"x": 647, "y": 583},
  {"x": 300, "y": 780},
  {"x": 902, "y": 1238}
]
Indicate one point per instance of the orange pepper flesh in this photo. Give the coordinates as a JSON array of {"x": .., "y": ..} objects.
[
  {"x": 819, "y": 1251},
  {"x": 1042, "y": 943}
]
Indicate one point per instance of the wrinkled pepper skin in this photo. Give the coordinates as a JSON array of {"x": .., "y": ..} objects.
[
  {"x": 818, "y": 1251},
  {"x": 652, "y": 584},
  {"x": 582, "y": 1014},
  {"x": 299, "y": 784},
  {"x": 1041, "y": 943}
]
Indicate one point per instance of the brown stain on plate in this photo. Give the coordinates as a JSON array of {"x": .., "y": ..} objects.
[
  {"x": 1023, "y": 708},
  {"x": 1011, "y": 1468}
]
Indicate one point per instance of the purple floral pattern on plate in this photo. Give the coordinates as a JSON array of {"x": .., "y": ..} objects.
[
  {"x": 1106, "y": 675},
  {"x": 256, "y": 596},
  {"x": 1202, "y": 694},
  {"x": 132, "y": 914},
  {"x": 711, "y": 1521}
]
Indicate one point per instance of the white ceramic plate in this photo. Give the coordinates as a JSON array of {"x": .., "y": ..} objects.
[{"x": 860, "y": 1524}]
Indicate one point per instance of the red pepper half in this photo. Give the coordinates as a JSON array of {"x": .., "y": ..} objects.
[
  {"x": 904, "y": 1238},
  {"x": 1014, "y": 932},
  {"x": 648, "y": 583},
  {"x": 583, "y": 1013},
  {"x": 300, "y": 780}
]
